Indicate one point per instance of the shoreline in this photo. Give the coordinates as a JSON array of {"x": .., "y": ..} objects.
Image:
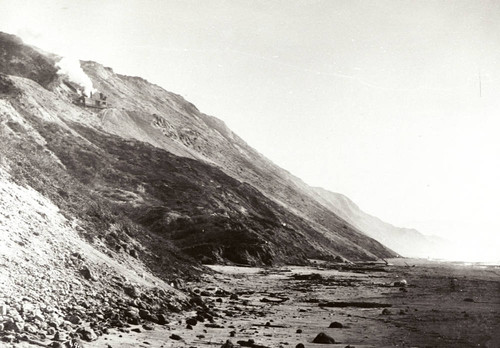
[{"x": 271, "y": 306}]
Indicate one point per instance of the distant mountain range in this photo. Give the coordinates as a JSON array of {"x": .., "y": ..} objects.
[{"x": 406, "y": 241}]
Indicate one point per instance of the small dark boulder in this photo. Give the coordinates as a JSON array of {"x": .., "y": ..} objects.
[
  {"x": 86, "y": 273},
  {"x": 132, "y": 291},
  {"x": 175, "y": 337},
  {"x": 162, "y": 319},
  {"x": 88, "y": 334},
  {"x": 323, "y": 338},
  {"x": 228, "y": 344},
  {"x": 336, "y": 325},
  {"x": 300, "y": 345},
  {"x": 144, "y": 314},
  {"x": 191, "y": 321}
]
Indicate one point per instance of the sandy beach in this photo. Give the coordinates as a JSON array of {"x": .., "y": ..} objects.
[{"x": 441, "y": 305}]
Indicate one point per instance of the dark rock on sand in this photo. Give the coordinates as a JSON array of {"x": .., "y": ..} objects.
[
  {"x": 175, "y": 337},
  {"x": 191, "y": 321},
  {"x": 88, "y": 334},
  {"x": 228, "y": 344},
  {"x": 162, "y": 319},
  {"x": 323, "y": 338},
  {"x": 248, "y": 343},
  {"x": 214, "y": 326},
  {"x": 336, "y": 325}
]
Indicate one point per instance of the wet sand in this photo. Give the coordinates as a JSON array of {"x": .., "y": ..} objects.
[{"x": 442, "y": 305}]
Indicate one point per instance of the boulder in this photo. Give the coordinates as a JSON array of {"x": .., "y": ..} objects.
[
  {"x": 336, "y": 325},
  {"x": 191, "y": 321},
  {"x": 88, "y": 334},
  {"x": 175, "y": 337},
  {"x": 162, "y": 319},
  {"x": 323, "y": 338},
  {"x": 74, "y": 319},
  {"x": 132, "y": 291},
  {"x": 144, "y": 314},
  {"x": 86, "y": 273},
  {"x": 228, "y": 344}
]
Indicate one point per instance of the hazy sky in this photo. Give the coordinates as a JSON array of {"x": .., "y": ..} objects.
[{"x": 378, "y": 100}]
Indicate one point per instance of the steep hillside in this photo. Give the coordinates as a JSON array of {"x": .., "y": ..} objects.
[
  {"x": 406, "y": 241},
  {"x": 149, "y": 113},
  {"x": 176, "y": 177},
  {"x": 22, "y": 60}
]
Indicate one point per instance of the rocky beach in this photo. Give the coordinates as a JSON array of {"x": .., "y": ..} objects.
[{"x": 407, "y": 303}]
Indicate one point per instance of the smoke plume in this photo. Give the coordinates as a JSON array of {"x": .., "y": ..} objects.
[{"x": 71, "y": 68}]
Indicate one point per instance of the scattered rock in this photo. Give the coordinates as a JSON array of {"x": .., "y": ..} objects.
[
  {"x": 401, "y": 283},
  {"x": 86, "y": 273},
  {"x": 162, "y": 319},
  {"x": 88, "y": 334},
  {"x": 298, "y": 331},
  {"x": 214, "y": 326},
  {"x": 228, "y": 344},
  {"x": 385, "y": 311},
  {"x": 323, "y": 338},
  {"x": 132, "y": 291},
  {"x": 60, "y": 336},
  {"x": 175, "y": 337},
  {"x": 336, "y": 325},
  {"x": 74, "y": 319},
  {"x": 300, "y": 345},
  {"x": 191, "y": 321},
  {"x": 249, "y": 343},
  {"x": 312, "y": 276},
  {"x": 144, "y": 314}
]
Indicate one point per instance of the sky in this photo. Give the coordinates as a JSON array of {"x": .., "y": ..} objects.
[{"x": 393, "y": 103}]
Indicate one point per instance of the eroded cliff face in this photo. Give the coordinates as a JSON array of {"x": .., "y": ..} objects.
[
  {"x": 103, "y": 212},
  {"x": 180, "y": 179}
]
